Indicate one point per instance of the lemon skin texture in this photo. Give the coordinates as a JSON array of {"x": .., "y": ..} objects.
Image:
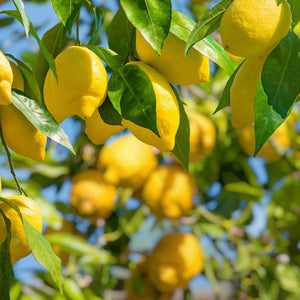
[
  {"x": 82, "y": 84},
  {"x": 172, "y": 62},
  {"x": 242, "y": 92},
  {"x": 279, "y": 140},
  {"x": 98, "y": 131},
  {"x": 19, "y": 134},
  {"x": 167, "y": 113},
  {"x": 253, "y": 27},
  {"x": 19, "y": 247},
  {"x": 91, "y": 196},
  {"x": 175, "y": 260},
  {"x": 6, "y": 79},
  {"x": 127, "y": 162},
  {"x": 169, "y": 192}
]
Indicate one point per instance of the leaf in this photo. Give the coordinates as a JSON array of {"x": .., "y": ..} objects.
[
  {"x": 281, "y": 74},
  {"x": 98, "y": 13},
  {"x": 295, "y": 8},
  {"x": 182, "y": 139},
  {"x": 40, "y": 118},
  {"x": 24, "y": 18},
  {"x": 207, "y": 24},
  {"x": 6, "y": 270},
  {"x": 182, "y": 26},
  {"x": 53, "y": 41},
  {"x": 67, "y": 11},
  {"x": 121, "y": 34},
  {"x": 225, "y": 97},
  {"x": 108, "y": 113},
  {"x": 152, "y": 18},
  {"x": 131, "y": 93},
  {"x": 41, "y": 248}
]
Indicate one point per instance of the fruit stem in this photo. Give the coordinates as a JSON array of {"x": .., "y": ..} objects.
[
  {"x": 77, "y": 43},
  {"x": 21, "y": 191}
]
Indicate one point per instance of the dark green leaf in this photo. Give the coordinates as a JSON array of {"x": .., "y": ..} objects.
[
  {"x": 131, "y": 93},
  {"x": 40, "y": 118},
  {"x": 182, "y": 26},
  {"x": 6, "y": 270},
  {"x": 24, "y": 18},
  {"x": 295, "y": 8},
  {"x": 108, "y": 114},
  {"x": 152, "y": 18},
  {"x": 67, "y": 11},
  {"x": 98, "y": 23},
  {"x": 182, "y": 139},
  {"x": 207, "y": 24},
  {"x": 6, "y": 21}
]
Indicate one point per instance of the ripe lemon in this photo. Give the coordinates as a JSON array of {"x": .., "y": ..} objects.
[
  {"x": 169, "y": 192},
  {"x": 19, "y": 134},
  {"x": 127, "y": 162},
  {"x": 242, "y": 92},
  {"x": 6, "y": 79},
  {"x": 19, "y": 247},
  {"x": 91, "y": 196},
  {"x": 172, "y": 63},
  {"x": 167, "y": 113},
  {"x": 175, "y": 260},
  {"x": 82, "y": 84},
  {"x": 98, "y": 131},
  {"x": 273, "y": 149},
  {"x": 253, "y": 27}
]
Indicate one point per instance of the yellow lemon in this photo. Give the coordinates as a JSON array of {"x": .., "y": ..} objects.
[
  {"x": 92, "y": 197},
  {"x": 169, "y": 192},
  {"x": 273, "y": 149},
  {"x": 6, "y": 79},
  {"x": 172, "y": 63},
  {"x": 175, "y": 260},
  {"x": 19, "y": 247},
  {"x": 167, "y": 113},
  {"x": 127, "y": 162},
  {"x": 19, "y": 134},
  {"x": 98, "y": 131},
  {"x": 242, "y": 92},
  {"x": 81, "y": 87},
  {"x": 253, "y": 27}
]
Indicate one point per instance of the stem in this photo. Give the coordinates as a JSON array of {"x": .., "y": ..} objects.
[
  {"x": 21, "y": 191},
  {"x": 77, "y": 43}
]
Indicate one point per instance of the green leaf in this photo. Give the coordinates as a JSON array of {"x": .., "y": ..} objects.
[
  {"x": 6, "y": 270},
  {"x": 98, "y": 13},
  {"x": 295, "y": 8},
  {"x": 225, "y": 97},
  {"x": 67, "y": 11},
  {"x": 152, "y": 18},
  {"x": 108, "y": 113},
  {"x": 41, "y": 248},
  {"x": 281, "y": 74},
  {"x": 40, "y": 118},
  {"x": 24, "y": 18},
  {"x": 43, "y": 48},
  {"x": 121, "y": 34},
  {"x": 53, "y": 41},
  {"x": 207, "y": 24},
  {"x": 131, "y": 93},
  {"x": 182, "y": 139},
  {"x": 182, "y": 26}
]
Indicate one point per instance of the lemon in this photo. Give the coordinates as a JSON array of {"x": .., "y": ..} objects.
[
  {"x": 19, "y": 247},
  {"x": 172, "y": 63},
  {"x": 91, "y": 196},
  {"x": 273, "y": 149},
  {"x": 6, "y": 79},
  {"x": 127, "y": 162},
  {"x": 19, "y": 134},
  {"x": 253, "y": 27},
  {"x": 82, "y": 84},
  {"x": 169, "y": 192},
  {"x": 175, "y": 260},
  {"x": 167, "y": 113},
  {"x": 242, "y": 92},
  {"x": 98, "y": 131}
]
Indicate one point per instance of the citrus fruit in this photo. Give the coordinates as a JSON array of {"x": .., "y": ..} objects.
[{"x": 6, "y": 79}]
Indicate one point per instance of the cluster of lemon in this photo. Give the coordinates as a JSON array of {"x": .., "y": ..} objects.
[{"x": 252, "y": 28}]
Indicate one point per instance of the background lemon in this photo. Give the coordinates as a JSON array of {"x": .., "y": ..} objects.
[{"x": 6, "y": 79}]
